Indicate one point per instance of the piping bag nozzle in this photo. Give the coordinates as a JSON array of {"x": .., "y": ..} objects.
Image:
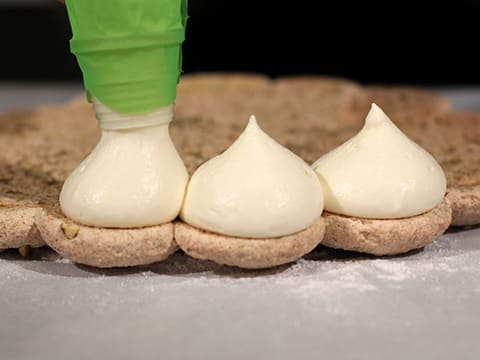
[{"x": 129, "y": 51}]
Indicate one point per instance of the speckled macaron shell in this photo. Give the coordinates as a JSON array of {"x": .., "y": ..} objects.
[
  {"x": 18, "y": 228},
  {"x": 104, "y": 247},
  {"x": 386, "y": 236},
  {"x": 248, "y": 253},
  {"x": 465, "y": 205}
]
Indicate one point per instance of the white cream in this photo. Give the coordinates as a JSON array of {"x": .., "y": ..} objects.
[
  {"x": 256, "y": 188},
  {"x": 380, "y": 173},
  {"x": 110, "y": 120},
  {"x": 132, "y": 178}
]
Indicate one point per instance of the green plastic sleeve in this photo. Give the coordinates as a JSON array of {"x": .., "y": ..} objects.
[{"x": 129, "y": 51}]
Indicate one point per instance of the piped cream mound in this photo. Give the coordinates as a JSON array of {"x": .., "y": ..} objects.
[
  {"x": 380, "y": 173},
  {"x": 256, "y": 205},
  {"x": 384, "y": 194},
  {"x": 133, "y": 177},
  {"x": 255, "y": 189}
]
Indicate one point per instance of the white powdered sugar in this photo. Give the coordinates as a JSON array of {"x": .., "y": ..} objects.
[
  {"x": 325, "y": 276},
  {"x": 327, "y": 296}
]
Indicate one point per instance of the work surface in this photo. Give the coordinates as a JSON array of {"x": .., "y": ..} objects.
[{"x": 332, "y": 304}]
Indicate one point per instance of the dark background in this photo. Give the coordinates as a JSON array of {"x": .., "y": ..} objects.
[{"x": 402, "y": 42}]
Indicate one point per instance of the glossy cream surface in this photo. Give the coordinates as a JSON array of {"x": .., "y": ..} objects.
[
  {"x": 256, "y": 188},
  {"x": 132, "y": 178},
  {"x": 380, "y": 173}
]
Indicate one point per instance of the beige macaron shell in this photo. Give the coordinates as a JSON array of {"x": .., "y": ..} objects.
[
  {"x": 104, "y": 247},
  {"x": 465, "y": 205},
  {"x": 386, "y": 236},
  {"x": 17, "y": 228},
  {"x": 248, "y": 253}
]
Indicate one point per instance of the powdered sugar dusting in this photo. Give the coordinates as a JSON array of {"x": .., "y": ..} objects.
[
  {"x": 327, "y": 296},
  {"x": 326, "y": 275}
]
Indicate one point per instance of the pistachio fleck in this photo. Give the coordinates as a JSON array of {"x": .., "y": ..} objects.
[{"x": 70, "y": 230}]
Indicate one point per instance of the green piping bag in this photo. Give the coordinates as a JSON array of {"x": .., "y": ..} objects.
[{"x": 129, "y": 51}]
